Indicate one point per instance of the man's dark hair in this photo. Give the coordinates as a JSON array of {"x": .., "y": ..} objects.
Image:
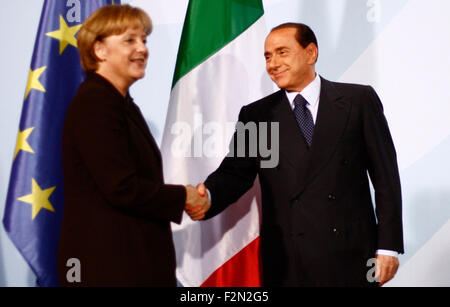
[{"x": 304, "y": 35}]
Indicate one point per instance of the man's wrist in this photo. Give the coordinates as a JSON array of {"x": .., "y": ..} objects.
[
  {"x": 209, "y": 194},
  {"x": 386, "y": 252}
]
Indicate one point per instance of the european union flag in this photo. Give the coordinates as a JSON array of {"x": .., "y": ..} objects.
[{"x": 34, "y": 204}]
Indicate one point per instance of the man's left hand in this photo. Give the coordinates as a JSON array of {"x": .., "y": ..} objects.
[{"x": 386, "y": 267}]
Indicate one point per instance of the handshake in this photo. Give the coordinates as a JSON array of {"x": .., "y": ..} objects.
[{"x": 197, "y": 201}]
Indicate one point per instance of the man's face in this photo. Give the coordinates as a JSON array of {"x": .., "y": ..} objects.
[{"x": 288, "y": 64}]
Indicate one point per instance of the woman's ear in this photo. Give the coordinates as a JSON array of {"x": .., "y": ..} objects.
[{"x": 100, "y": 51}]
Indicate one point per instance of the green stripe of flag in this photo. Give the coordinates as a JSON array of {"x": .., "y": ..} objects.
[{"x": 210, "y": 25}]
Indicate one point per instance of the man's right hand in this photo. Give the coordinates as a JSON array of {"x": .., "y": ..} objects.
[{"x": 197, "y": 202}]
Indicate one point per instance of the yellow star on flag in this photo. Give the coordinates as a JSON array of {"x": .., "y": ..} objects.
[
  {"x": 33, "y": 81},
  {"x": 65, "y": 34},
  {"x": 38, "y": 199},
  {"x": 22, "y": 143}
]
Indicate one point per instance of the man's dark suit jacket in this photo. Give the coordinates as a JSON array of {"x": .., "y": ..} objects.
[
  {"x": 117, "y": 209},
  {"x": 318, "y": 222}
]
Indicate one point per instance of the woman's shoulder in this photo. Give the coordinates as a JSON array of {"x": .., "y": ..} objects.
[
  {"x": 97, "y": 87},
  {"x": 96, "y": 92},
  {"x": 95, "y": 97}
]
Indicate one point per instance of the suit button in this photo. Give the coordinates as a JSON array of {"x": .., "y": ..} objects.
[
  {"x": 345, "y": 162},
  {"x": 331, "y": 197}
]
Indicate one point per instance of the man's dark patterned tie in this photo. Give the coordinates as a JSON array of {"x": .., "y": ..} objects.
[{"x": 304, "y": 118}]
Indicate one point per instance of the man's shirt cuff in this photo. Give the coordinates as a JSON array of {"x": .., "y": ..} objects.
[{"x": 387, "y": 252}]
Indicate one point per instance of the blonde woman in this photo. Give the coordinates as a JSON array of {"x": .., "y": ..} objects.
[{"x": 117, "y": 209}]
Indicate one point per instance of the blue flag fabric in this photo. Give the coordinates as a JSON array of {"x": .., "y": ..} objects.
[{"x": 34, "y": 204}]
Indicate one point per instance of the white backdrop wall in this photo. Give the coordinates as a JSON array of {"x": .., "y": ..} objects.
[{"x": 399, "y": 47}]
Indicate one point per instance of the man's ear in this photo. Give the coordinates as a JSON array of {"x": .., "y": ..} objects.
[
  {"x": 100, "y": 51},
  {"x": 313, "y": 53}
]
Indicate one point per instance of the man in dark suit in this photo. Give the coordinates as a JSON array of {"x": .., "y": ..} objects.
[{"x": 318, "y": 225}]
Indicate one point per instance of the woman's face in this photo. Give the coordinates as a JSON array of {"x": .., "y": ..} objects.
[{"x": 123, "y": 57}]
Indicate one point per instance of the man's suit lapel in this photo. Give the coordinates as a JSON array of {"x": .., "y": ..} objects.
[
  {"x": 331, "y": 121},
  {"x": 292, "y": 146}
]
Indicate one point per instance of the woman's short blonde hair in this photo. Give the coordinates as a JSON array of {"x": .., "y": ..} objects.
[{"x": 106, "y": 21}]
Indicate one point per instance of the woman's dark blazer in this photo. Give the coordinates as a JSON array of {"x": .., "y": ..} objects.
[{"x": 117, "y": 209}]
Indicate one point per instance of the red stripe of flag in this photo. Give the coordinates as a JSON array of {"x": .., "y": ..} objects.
[{"x": 242, "y": 270}]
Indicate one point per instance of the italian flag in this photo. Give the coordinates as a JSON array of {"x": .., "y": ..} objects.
[{"x": 220, "y": 68}]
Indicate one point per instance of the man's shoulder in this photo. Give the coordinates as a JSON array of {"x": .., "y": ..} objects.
[
  {"x": 267, "y": 101},
  {"x": 345, "y": 88}
]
